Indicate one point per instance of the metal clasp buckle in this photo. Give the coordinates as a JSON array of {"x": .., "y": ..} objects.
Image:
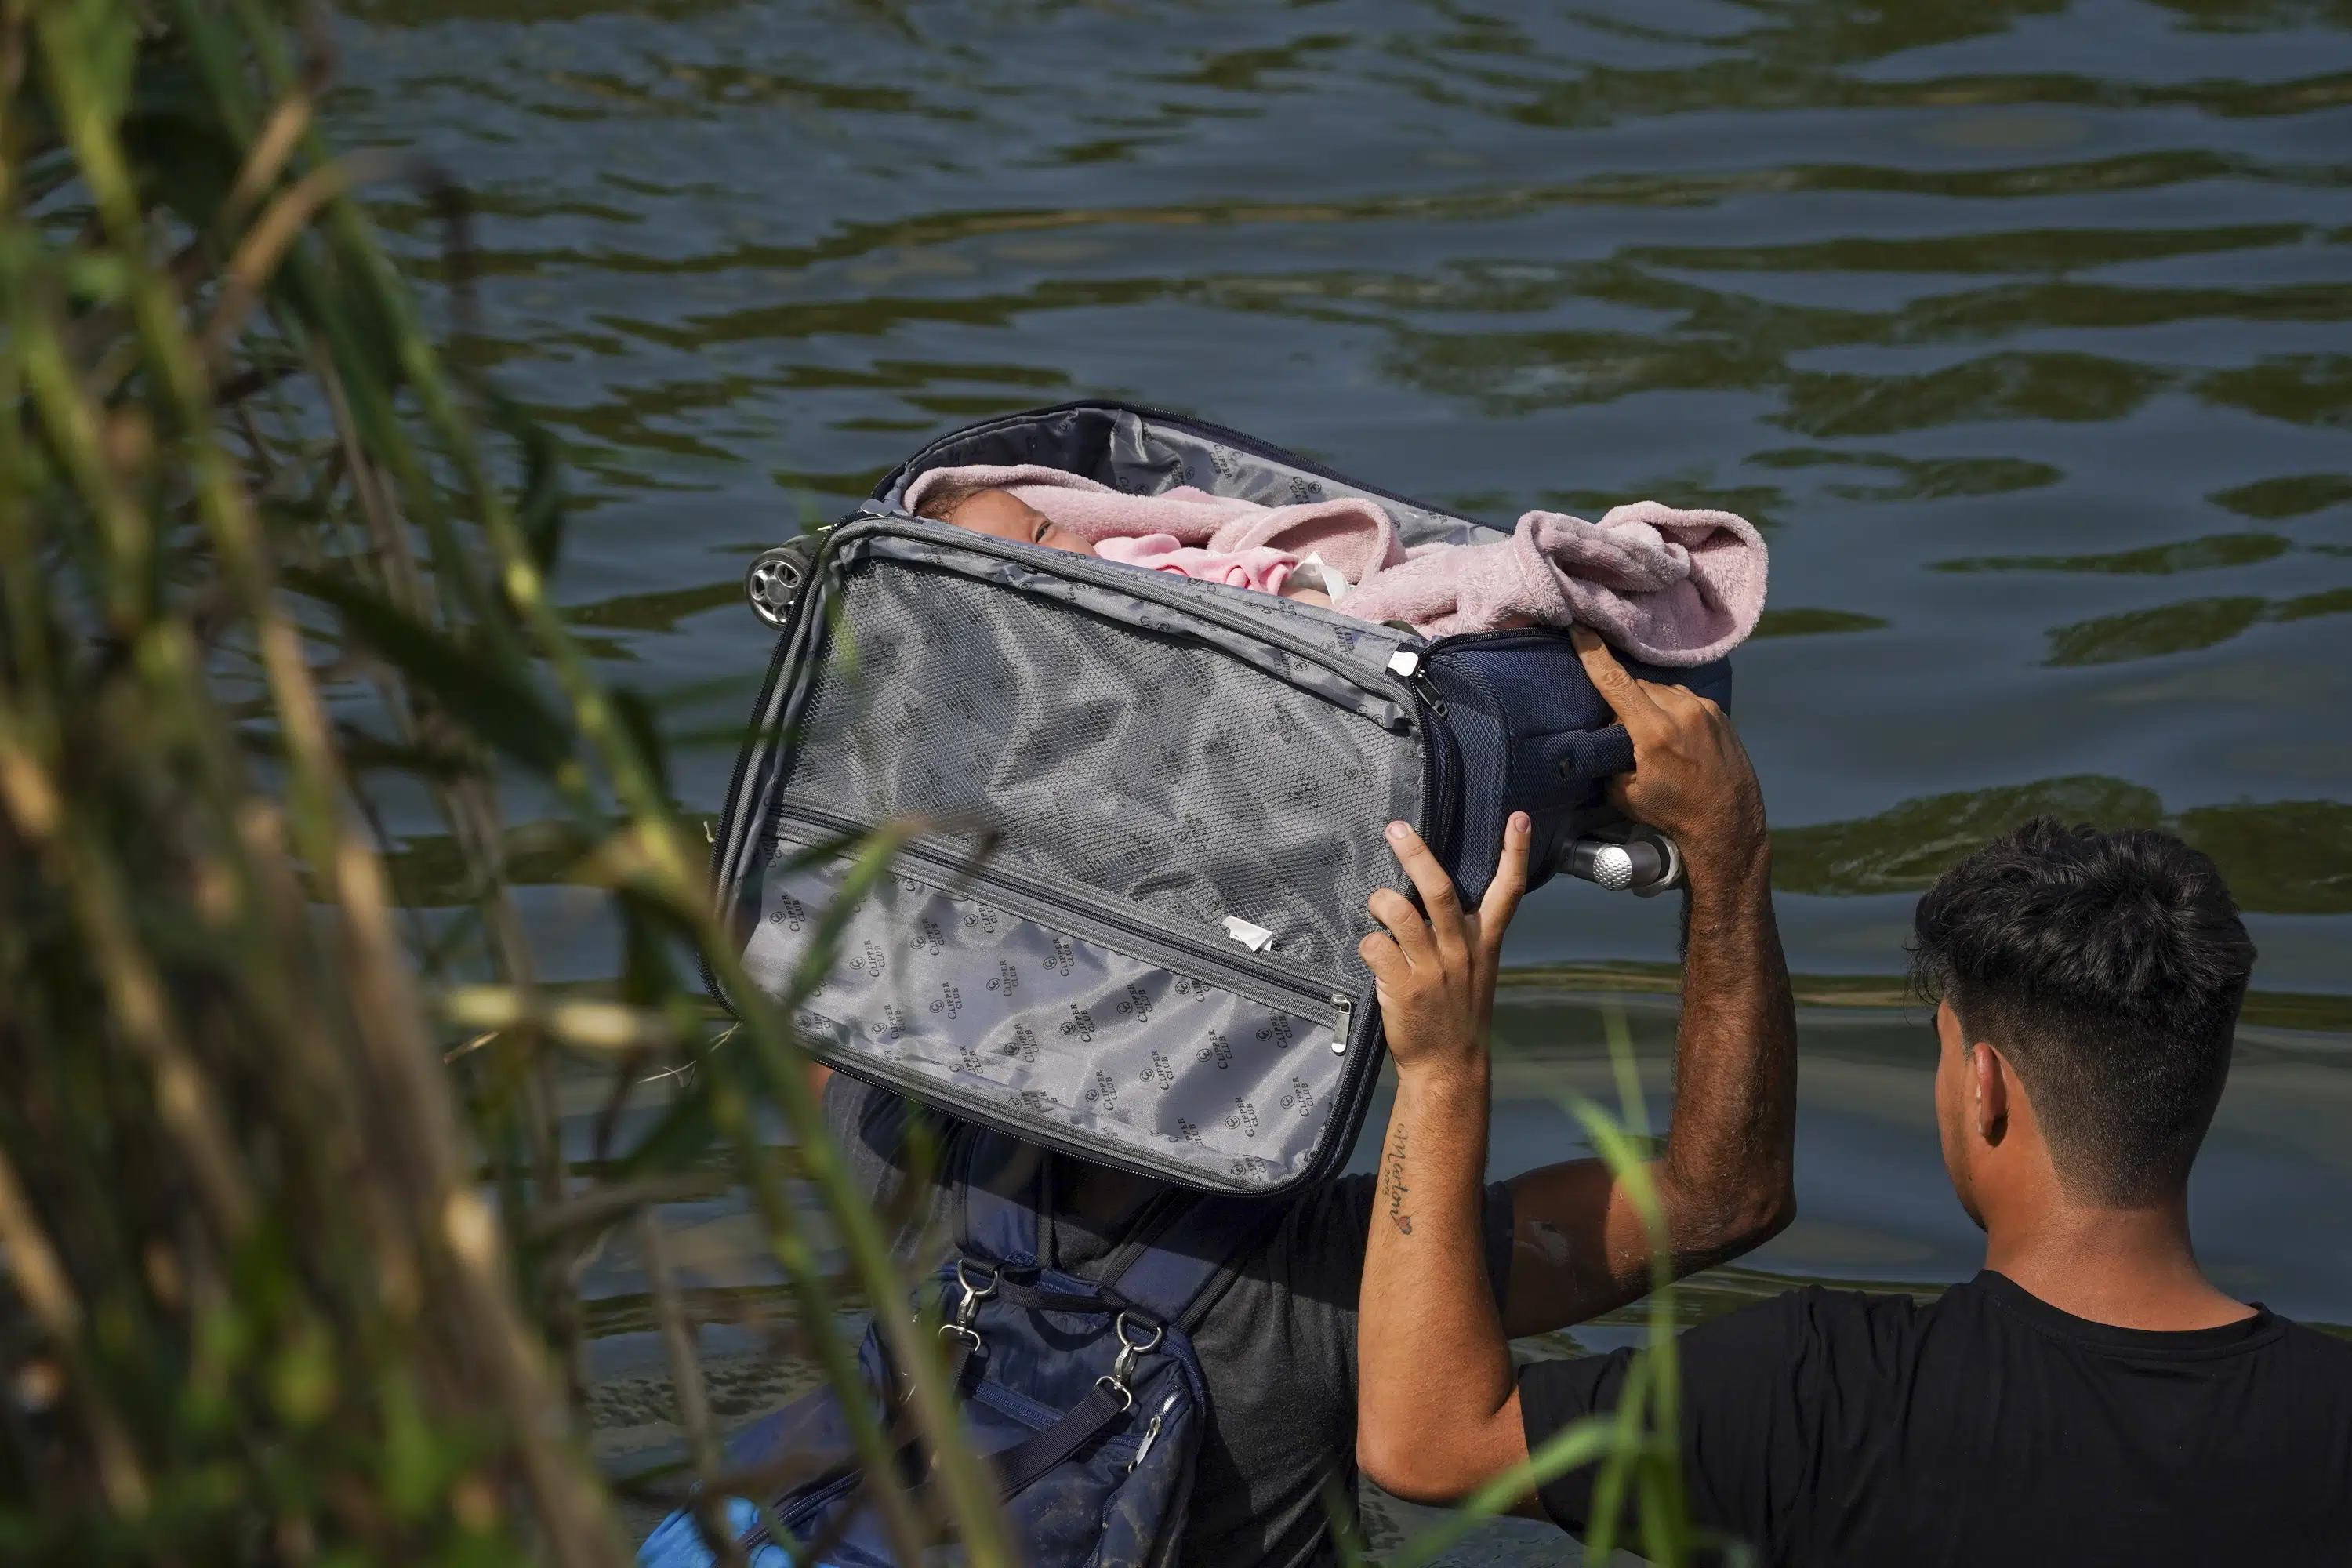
[
  {"x": 1124, "y": 1367},
  {"x": 967, "y": 1308}
]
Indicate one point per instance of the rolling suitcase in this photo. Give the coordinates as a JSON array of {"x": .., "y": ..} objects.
[{"x": 1147, "y": 810}]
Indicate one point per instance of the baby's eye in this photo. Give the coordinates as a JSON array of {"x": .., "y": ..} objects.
[{"x": 1037, "y": 534}]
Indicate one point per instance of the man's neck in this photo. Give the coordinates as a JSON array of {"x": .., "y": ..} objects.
[{"x": 2133, "y": 1268}]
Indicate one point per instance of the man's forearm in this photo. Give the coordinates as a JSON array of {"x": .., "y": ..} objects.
[
  {"x": 1436, "y": 1413},
  {"x": 1578, "y": 1246},
  {"x": 1724, "y": 1172}
]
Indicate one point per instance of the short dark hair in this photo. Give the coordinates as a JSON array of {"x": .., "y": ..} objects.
[
  {"x": 939, "y": 503},
  {"x": 2109, "y": 968}
]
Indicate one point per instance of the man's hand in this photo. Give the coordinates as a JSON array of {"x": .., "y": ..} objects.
[
  {"x": 1436, "y": 974},
  {"x": 1691, "y": 777}
]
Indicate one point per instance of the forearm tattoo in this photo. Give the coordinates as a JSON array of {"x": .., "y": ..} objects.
[{"x": 1397, "y": 1188}]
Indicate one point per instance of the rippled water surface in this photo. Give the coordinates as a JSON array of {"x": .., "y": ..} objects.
[{"x": 2024, "y": 330}]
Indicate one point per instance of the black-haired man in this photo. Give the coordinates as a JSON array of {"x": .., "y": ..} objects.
[{"x": 2089, "y": 1397}]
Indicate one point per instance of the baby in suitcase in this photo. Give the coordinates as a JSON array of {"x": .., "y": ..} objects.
[
  {"x": 1667, "y": 585},
  {"x": 984, "y": 509}
]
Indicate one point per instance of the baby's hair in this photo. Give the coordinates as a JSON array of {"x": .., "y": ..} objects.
[{"x": 939, "y": 503}]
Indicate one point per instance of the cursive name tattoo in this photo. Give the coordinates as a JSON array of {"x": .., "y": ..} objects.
[{"x": 1397, "y": 1188}]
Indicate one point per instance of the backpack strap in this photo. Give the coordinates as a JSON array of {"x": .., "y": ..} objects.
[
  {"x": 999, "y": 1198},
  {"x": 1039, "y": 1452},
  {"x": 1176, "y": 1254},
  {"x": 1145, "y": 1226},
  {"x": 1180, "y": 1246}
]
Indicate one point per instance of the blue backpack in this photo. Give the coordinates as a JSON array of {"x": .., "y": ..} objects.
[{"x": 1085, "y": 1398}]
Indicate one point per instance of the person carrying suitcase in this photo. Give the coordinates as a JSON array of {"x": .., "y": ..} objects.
[{"x": 1272, "y": 1325}]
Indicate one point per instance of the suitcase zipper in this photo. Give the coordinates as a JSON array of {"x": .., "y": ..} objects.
[
  {"x": 1035, "y": 900},
  {"x": 722, "y": 834},
  {"x": 1224, "y": 435},
  {"x": 1138, "y": 583},
  {"x": 1341, "y": 1015},
  {"x": 1441, "y": 767}
]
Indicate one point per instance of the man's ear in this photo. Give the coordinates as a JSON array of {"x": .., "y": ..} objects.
[{"x": 1989, "y": 1084}]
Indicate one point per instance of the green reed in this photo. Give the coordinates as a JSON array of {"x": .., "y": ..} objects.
[{"x": 290, "y": 1234}]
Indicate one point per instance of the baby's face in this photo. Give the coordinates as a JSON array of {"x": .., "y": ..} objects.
[{"x": 1007, "y": 516}]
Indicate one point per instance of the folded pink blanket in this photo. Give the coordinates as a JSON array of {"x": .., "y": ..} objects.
[{"x": 1659, "y": 583}]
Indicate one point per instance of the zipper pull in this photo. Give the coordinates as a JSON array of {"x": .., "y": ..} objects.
[
  {"x": 1151, "y": 1433},
  {"x": 1412, "y": 666},
  {"x": 1345, "y": 1007}
]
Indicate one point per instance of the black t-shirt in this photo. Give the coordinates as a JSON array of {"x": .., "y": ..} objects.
[
  {"x": 1277, "y": 1345},
  {"x": 1831, "y": 1428}
]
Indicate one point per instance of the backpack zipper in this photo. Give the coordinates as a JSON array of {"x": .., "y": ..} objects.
[
  {"x": 1151, "y": 1433},
  {"x": 760, "y": 1536}
]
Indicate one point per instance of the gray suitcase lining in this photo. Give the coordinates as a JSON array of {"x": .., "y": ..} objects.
[
  {"x": 1146, "y": 452},
  {"x": 1142, "y": 779}
]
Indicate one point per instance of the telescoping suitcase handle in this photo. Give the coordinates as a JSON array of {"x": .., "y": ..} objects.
[{"x": 1641, "y": 860}]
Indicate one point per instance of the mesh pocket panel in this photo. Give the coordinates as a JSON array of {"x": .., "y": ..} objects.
[{"x": 1146, "y": 766}]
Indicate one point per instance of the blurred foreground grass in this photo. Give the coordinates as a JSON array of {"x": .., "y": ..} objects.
[
  {"x": 282, "y": 1285},
  {"x": 290, "y": 1237}
]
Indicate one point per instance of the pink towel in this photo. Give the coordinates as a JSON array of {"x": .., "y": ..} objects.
[
  {"x": 1355, "y": 537},
  {"x": 1665, "y": 584},
  {"x": 1263, "y": 568}
]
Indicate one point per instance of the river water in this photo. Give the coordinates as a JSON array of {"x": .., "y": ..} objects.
[{"x": 2024, "y": 330}]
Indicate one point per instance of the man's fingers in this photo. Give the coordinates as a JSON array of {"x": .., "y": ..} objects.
[
  {"x": 1671, "y": 700},
  {"x": 1634, "y": 706},
  {"x": 1510, "y": 881},
  {"x": 1394, "y": 910},
  {"x": 1438, "y": 899},
  {"x": 1385, "y": 960}
]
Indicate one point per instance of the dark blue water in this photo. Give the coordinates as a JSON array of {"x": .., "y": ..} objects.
[{"x": 2025, "y": 330}]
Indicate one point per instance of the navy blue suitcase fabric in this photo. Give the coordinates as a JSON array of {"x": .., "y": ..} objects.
[{"x": 1534, "y": 734}]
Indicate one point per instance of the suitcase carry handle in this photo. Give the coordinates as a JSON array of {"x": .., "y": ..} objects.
[
  {"x": 1592, "y": 755},
  {"x": 1634, "y": 860}
]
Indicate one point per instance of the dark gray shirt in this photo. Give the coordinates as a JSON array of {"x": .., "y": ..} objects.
[{"x": 1278, "y": 1343}]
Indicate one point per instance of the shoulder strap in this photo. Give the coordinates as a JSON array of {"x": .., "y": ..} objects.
[
  {"x": 1144, "y": 1228},
  {"x": 1189, "y": 1244},
  {"x": 1000, "y": 1198}
]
